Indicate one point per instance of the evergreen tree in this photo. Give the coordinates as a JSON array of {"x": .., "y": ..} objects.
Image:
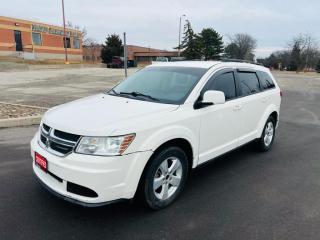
[
  {"x": 318, "y": 66},
  {"x": 112, "y": 47},
  {"x": 211, "y": 43},
  {"x": 232, "y": 51},
  {"x": 190, "y": 43},
  {"x": 295, "y": 63}
]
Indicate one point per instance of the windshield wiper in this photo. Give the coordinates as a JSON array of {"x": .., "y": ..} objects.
[
  {"x": 138, "y": 94},
  {"x": 112, "y": 90}
]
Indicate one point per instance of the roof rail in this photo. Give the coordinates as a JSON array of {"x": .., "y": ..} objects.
[
  {"x": 238, "y": 60},
  {"x": 223, "y": 58}
]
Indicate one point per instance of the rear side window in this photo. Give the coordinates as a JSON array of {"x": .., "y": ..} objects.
[
  {"x": 249, "y": 83},
  {"x": 266, "y": 81}
]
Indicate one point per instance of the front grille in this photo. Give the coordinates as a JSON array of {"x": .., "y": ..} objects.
[
  {"x": 56, "y": 141},
  {"x": 46, "y": 127},
  {"x": 61, "y": 148},
  {"x": 67, "y": 136}
]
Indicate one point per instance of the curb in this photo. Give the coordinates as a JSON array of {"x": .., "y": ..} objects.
[
  {"x": 23, "y": 105},
  {"x": 19, "y": 122}
]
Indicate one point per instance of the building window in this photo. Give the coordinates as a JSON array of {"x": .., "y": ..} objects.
[
  {"x": 67, "y": 43},
  {"x": 36, "y": 38},
  {"x": 76, "y": 43}
]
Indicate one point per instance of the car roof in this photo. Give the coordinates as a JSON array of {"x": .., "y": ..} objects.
[{"x": 208, "y": 64}]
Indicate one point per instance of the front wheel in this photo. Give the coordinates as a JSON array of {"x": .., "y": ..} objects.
[
  {"x": 268, "y": 134},
  {"x": 165, "y": 177}
]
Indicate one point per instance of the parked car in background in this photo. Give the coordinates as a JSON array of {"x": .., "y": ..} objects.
[
  {"x": 144, "y": 136},
  {"x": 162, "y": 59},
  {"x": 117, "y": 62}
]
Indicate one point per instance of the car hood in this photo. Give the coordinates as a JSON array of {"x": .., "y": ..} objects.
[{"x": 101, "y": 114}]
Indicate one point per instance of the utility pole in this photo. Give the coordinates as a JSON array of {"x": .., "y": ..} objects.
[
  {"x": 64, "y": 34},
  {"x": 179, "y": 42},
  {"x": 125, "y": 60}
]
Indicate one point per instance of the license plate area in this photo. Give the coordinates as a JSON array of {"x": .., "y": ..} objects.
[{"x": 41, "y": 162}]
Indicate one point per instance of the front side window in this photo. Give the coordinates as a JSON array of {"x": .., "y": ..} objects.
[
  {"x": 265, "y": 81},
  {"x": 36, "y": 38},
  {"x": 160, "y": 84},
  {"x": 224, "y": 83},
  {"x": 249, "y": 83}
]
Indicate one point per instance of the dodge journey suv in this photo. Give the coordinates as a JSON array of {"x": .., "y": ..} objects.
[{"x": 145, "y": 135}]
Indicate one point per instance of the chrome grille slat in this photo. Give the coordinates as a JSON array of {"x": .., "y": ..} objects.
[
  {"x": 62, "y": 141},
  {"x": 57, "y": 145}
]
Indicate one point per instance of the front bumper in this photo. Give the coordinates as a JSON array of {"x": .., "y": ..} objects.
[{"x": 111, "y": 178}]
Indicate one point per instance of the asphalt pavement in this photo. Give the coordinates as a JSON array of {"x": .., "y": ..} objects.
[{"x": 242, "y": 195}]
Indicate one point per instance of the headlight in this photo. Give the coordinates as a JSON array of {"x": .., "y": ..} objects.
[{"x": 107, "y": 146}]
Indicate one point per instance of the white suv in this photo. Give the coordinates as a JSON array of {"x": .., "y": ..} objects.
[{"x": 144, "y": 136}]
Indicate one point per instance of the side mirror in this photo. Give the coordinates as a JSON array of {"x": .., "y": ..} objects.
[
  {"x": 210, "y": 98},
  {"x": 214, "y": 97}
]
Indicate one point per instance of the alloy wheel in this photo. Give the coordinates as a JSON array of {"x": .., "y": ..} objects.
[
  {"x": 268, "y": 134},
  {"x": 167, "y": 178}
]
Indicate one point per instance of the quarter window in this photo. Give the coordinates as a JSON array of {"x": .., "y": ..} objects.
[
  {"x": 265, "y": 81},
  {"x": 36, "y": 38},
  {"x": 249, "y": 83},
  {"x": 224, "y": 83}
]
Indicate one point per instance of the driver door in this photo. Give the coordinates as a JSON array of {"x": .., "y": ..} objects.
[{"x": 220, "y": 124}]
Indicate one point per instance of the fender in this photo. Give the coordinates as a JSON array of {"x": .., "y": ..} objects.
[
  {"x": 271, "y": 108},
  {"x": 150, "y": 144},
  {"x": 168, "y": 133}
]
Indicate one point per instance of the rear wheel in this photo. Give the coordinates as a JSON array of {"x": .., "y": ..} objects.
[
  {"x": 165, "y": 177},
  {"x": 268, "y": 134}
]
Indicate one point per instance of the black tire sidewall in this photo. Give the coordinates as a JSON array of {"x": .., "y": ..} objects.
[{"x": 150, "y": 199}]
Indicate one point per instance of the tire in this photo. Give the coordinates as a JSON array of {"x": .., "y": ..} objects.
[
  {"x": 266, "y": 140},
  {"x": 164, "y": 178}
]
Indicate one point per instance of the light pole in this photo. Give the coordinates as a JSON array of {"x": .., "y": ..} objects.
[
  {"x": 179, "y": 42},
  {"x": 125, "y": 61},
  {"x": 64, "y": 33}
]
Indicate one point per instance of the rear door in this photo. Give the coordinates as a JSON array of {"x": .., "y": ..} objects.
[{"x": 251, "y": 104}]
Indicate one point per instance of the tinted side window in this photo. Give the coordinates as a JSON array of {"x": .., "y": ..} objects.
[
  {"x": 249, "y": 83},
  {"x": 266, "y": 81},
  {"x": 224, "y": 83}
]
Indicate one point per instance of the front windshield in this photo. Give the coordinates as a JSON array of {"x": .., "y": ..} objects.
[{"x": 160, "y": 84}]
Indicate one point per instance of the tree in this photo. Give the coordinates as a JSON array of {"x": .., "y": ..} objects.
[
  {"x": 92, "y": 47},
  {"x": 190, "y": 45},
  {"x": 241, "y": 46},
  {"x": 83, "y": 31},
  {"x": 211, "y": 43},
  {"x": 277, "y": 60},
  {"x": 112, "y": 47},
  {"x": 232, "y": 51},
  {"x": 318, "y": 66},
  {"x": 304, "y": 52}
]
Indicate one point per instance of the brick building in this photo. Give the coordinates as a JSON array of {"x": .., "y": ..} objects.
[
  {"x": 34, "y": 40},
  {"x": 144, "y": 55},
  {"x": 140, "y": 55}
]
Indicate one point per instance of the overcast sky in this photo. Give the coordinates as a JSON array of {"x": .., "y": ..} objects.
[{"x": 155, "y": 23}]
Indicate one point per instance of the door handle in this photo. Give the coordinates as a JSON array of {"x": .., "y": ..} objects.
[{"x": 237, "y": 107}]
